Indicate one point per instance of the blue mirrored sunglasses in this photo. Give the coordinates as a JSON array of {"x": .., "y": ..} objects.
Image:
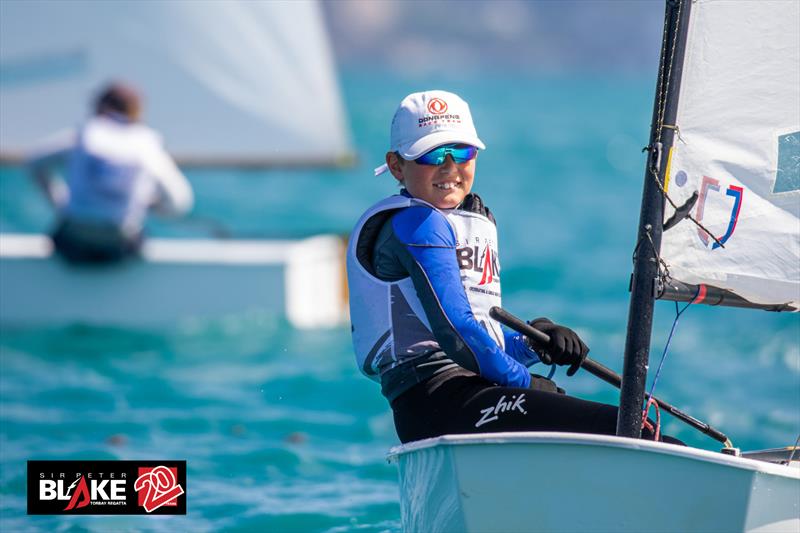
[{"x": 461, "y": 153}]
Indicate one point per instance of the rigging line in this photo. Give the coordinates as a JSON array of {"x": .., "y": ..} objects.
[
  {"x": 663, "y": 268},
  {"x": 636, "y": 249},
  {"x": 661, "y": 263},
  {"x": 663, "y": 85},
  {"x": 654, "y": 173},
  {"x": 661, "y": 106},
  {"x": 676, "y": 129},
  {"x": 646, "y": 423},
  {"x": 689, "y": 216},
  {"x": 678, "y": 314},
  {"x": 671, "y": 61}
]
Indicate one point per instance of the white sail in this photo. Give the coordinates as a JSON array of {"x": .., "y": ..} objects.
[
  {"x": 738, "y": 145},
  {"x": 226, "y": 82}
]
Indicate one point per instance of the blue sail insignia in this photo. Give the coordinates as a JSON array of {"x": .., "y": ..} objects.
[{"x": 787, "y": 177}]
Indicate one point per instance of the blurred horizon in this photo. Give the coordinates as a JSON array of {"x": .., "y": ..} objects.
[{"x": 527, "y": 37}]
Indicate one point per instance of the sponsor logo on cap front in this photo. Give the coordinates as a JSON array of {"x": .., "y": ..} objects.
[
  {"x": 429, "y": 120},
  {"x": 438, "y": 115},
  {"x": 437, "y": 106}
]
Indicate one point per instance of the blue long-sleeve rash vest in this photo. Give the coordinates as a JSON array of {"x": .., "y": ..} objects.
[{"x": 429, "y": 243}]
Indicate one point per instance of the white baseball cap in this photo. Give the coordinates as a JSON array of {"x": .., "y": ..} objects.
[{"x": 429, "y": 119}]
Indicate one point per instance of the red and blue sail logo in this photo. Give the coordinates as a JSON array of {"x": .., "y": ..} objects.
[{"x": 737, "y": 193}]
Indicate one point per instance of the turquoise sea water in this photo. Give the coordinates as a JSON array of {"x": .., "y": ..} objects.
[{"x": 279, "y": 430}]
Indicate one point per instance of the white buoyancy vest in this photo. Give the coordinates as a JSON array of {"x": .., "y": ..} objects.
[{"x": 389, "y": 326}]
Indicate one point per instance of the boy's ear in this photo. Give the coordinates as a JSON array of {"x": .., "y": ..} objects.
[{"x": 395, "y": 165}]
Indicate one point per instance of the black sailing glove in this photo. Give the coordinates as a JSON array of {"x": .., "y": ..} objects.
[{"x": 565, "y": 347}]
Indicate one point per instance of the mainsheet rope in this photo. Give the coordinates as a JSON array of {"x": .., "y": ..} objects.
[{"x": 650, "y": 395}]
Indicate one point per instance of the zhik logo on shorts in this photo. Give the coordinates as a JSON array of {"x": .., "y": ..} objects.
[
  {"x": 106, "y": 487},
  {"x": 492, "y": 413}
]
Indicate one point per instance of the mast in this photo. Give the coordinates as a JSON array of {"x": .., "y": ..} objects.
[{"x": 648, "y": 244}]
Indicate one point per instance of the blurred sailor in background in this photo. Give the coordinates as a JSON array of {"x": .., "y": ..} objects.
[
  {"x": 116, "y": 169},
  {"x": 423, "y": 273}
]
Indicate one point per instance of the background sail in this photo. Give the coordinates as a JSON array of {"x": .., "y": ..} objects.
[
  {"x": 227, "y": 82},
  {"x": 739, "y": 147}
]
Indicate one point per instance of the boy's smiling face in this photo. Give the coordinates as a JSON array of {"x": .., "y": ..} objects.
[{"x": 443, "y": 186}]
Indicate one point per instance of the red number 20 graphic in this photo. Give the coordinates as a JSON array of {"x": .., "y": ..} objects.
[{"x": 162, "y": 488}]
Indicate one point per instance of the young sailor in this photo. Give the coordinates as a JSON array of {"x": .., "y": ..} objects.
[
  {"x": 116, "y": 170},
  {"x": 423, "y": 271}
]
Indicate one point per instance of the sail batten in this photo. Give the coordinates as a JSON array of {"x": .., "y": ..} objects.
[
  {"x": 738, "y": 147},
  {"x": 225, "y": 81}
]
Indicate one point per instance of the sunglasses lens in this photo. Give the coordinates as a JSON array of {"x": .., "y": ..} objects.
[
  {"x": 461, "y": 153},
  {"x": 464, "y": 153}
]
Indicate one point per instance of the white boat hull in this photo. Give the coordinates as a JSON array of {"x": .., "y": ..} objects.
[
  {"x": 175, "y": 280},
  {"x": 509, "y": 482}
]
